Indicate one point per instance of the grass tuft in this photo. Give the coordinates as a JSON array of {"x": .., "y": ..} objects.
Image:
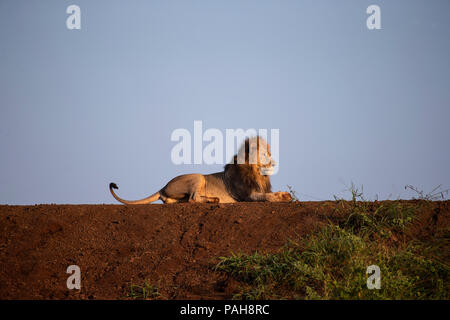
[
  {"x": 144, "y": 292},
  {"x": 332, "y": 263}
]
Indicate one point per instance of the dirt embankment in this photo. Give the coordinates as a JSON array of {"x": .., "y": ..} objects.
[{"x": 174, "y": 247}]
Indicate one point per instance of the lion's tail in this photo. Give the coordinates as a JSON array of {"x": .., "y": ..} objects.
[{"x": 149, "y": 199}]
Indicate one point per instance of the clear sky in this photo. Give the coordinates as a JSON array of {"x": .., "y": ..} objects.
[{"x": 82, "y": 108}]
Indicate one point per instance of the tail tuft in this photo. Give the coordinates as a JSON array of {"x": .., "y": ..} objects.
[{"x": 112, "y": 185}]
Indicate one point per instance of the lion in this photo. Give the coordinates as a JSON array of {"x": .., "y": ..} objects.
[{"x": 246, "y": 178}]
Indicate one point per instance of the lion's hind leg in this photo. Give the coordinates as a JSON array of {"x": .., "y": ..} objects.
[
  {"x": 169, "y": 200},
  {"x": 184, "y": 188}
]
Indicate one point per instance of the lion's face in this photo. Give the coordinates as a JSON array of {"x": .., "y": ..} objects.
[{"x": 256, "y": 153}]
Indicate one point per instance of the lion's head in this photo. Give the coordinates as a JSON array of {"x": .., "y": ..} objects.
[
  {"x": 255, "y": 152},
  {"x": 250, "y": 169}
]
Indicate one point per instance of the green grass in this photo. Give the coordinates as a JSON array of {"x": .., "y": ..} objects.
[
  {"x": 144, "y": 292},
  {"x": 332, "y": 263}
]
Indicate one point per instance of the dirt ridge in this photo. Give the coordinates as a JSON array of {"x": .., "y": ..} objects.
[{"x": 174, "y": 247}]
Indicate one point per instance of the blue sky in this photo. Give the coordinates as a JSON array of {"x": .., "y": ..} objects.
[{"x": 82, "y": 108}]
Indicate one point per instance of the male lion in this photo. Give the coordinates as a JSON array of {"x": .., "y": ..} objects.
[{"x": 245, "y": 179}]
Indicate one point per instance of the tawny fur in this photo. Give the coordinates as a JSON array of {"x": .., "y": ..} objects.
[{"x": 238, "y": 182}]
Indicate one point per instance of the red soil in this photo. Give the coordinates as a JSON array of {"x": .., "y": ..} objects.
[{"x": 173, "y": 246}]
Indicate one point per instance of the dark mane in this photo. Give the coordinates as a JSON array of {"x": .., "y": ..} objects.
[{"x": 243, "y": 179}]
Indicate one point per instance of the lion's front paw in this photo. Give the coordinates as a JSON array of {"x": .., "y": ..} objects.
[
  {"x": 281, "y": 197},
  {"x": 285, "y": 196}
]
